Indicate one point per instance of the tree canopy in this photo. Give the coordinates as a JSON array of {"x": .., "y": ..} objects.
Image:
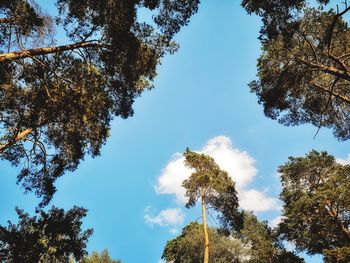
[
  {"x": 263, "y": 242},
  {"x": 57, "y": 100},
  {"x": 316, "y": 209},
  {"x": 303, "y": 71},
  {"x": 51, "y": 236}
]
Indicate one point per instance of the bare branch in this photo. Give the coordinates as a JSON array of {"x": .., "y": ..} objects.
[
  {"x": 18, "y": 137},
  {"x": 310, "y": 44},
  {"x": 341, "y": 63},
  {"x": 327, "y": 69},
  {"x": 48, "y": 50}
]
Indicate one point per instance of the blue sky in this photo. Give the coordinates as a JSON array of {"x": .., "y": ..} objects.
[{"x": 201, "y": 100}]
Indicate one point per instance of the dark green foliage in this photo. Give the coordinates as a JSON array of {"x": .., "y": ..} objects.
[
  {"x": 230, "y": 218},
  {"x": 316, "y": 210},
  {"x": 275, "y": 15},
  {"x": 304, "y": 70},
  {"x": 260, "y": 237},
  {"x": 51, "y": 236},
  {"x": 24, "y": 17},
  {"x": 263, "y": 242},
  {"x": 56, "y": 102},
  {"x": 189, "y": 247}
]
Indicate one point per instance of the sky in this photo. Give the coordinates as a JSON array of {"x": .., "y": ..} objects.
[{"x": 201, "y": 100}]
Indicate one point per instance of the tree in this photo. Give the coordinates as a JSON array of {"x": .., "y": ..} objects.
[
  {"x": 304, "y": 70},
  {"x": 316, "y": 210},
  {"x": 57, "y": 100},
  {"x": 188, "y": 247},
  {"x": 208, "y": 182},
  {"x": 51, "y": 236},
  {"x": 102, "y": 257}
]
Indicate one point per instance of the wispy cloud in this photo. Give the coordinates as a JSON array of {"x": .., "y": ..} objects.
[
  {"x": 171, "y": 217},
  {"x": 344, "y": 161},
  {"x": 239, "y": 165}
]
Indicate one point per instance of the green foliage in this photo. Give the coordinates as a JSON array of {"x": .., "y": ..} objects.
[
  {"x": 263, "y": 242},
  {"x": 56, "y": 102},
  {"x": 189, "y": 247},
  {"x": 259, "y": 236},
  {"x": 51, "y": 236},
  {"x": 316, "y": 210},
  {"x": 277, "y": 16},
  {"x": 102, "y": 257},
  {"x": 304, "y": 70}
]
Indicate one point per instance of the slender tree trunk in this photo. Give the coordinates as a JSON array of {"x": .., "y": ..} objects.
[
  {"x": 206, "y": 236},
  {"x": 19, "y": 137}
]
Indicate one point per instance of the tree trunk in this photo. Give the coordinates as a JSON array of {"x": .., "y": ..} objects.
[
  {"x": 19, "y": 137},
  {"x": 206, "y": 236}
]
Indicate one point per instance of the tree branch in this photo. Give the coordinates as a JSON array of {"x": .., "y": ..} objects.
[
  {"x": 310, "y": 44},
  {"x": 332, "y": 93},
  {"x": 332, "y": 26},
  {"x": 48, "y": 50},
  {"x": 327, "y": 69},
  {"x": 341, "y": 63},
  {"x": 18, "y": 137}
]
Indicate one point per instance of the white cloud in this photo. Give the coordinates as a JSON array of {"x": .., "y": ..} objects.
[
  {"x": 172, "y": 177},
  {"x": 238, "y": 164},
  {"x": 344, "y": 161},
  {"x": 274, "y": 222},
  {"x": 254, "y": 200},
  {"x": 173, "y": 231},
  {"x": 166, "y": 217}
]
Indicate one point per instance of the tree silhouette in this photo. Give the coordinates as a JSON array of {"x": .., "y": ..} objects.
[{"x": 51, "y": 236}]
